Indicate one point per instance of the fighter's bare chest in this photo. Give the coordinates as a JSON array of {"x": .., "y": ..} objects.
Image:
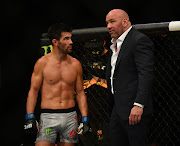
[{"x": 55, "y": 73}]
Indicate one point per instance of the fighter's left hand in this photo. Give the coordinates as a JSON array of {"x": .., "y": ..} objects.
[{"x": 135, "y": 115}]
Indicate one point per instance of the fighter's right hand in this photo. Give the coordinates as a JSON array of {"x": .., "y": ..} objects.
[
  {"x": 84, "y": 126},
  {"x": 30, "y": 125}
]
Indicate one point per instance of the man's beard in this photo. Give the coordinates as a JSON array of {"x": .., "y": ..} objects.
[{"x": 68, "y": 51}]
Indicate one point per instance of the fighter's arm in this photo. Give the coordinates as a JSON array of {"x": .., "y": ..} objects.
[
  {"x": 36, "y": 81},
  {"x": 80, "y": 95}
]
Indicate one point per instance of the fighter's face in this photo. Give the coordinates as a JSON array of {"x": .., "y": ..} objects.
[{"x": 65, "y": 42}]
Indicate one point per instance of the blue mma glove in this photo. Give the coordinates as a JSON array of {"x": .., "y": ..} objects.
[
  {"x": 31, "y": 124},
  {"x": 84, "y": 126}
]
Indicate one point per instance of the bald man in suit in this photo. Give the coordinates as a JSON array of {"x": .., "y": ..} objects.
[{"x": 129, "y": 79}]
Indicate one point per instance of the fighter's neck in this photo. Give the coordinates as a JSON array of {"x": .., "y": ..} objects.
[{"x": 58, "y": 55}]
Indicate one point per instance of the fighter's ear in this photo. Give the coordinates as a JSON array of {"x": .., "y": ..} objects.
[{"x": 54, "y": 42}]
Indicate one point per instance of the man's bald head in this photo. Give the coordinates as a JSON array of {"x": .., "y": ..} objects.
[
  {"x": 120, "y": 13},
  {"x": 117, "y": 22}
]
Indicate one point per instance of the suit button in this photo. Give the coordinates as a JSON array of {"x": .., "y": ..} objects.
[{"x": 115, "y": 91}]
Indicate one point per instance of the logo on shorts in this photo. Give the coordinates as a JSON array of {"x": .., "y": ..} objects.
[
  {"x": 76, "y": 118},
  {"x": 73, "y": 133},
  {"x": 48, "y": 131}
]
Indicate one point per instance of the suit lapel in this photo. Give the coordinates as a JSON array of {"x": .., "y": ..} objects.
[
  {"x": 108, "y": 70},
  {"x": 123, "y": 47}
]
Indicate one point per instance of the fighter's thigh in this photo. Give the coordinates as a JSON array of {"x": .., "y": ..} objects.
[
  {"x": 69, "y": 135},
  {"x": 47, "y": 133},
  {"x": 44, "y": 143}
]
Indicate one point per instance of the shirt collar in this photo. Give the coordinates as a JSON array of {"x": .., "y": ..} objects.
[{"x": 122, "y": 37}]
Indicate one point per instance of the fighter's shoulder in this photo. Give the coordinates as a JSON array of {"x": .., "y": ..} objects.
[
  {"x": 75, "y": 62},
  {"x": 41, "y": 62}
]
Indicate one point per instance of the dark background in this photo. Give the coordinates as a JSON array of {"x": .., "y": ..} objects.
[{"x": 23, "y": 22}]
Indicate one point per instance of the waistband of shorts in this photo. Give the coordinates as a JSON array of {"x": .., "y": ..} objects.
[{"x": 58, "y": 110}]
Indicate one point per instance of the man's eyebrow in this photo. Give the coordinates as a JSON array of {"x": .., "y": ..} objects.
[
  {"x": 110, "y": 20},
  {"x": 67, "y": 37}
]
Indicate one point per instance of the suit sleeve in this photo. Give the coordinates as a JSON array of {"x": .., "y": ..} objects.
[{"x": 144, "y": 61}]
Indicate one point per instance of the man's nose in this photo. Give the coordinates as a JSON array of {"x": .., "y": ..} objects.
[
  {"x": 71, "y": 42},
  {"x": 109, "y": 26}
]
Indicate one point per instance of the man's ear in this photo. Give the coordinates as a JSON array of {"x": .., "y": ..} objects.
[
  {"x": 124, "y": 22},
  {"x": 55, "y": 42}
]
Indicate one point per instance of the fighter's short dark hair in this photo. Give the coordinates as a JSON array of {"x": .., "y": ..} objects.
[{"x": 55, "y": 30}]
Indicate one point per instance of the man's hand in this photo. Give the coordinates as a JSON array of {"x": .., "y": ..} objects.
[{"x": 135, "y": 115}]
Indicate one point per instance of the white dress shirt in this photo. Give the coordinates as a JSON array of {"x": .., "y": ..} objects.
[{"x": 114, "y": 57}]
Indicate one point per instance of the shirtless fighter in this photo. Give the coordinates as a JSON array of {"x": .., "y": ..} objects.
[{"x": 57, "y": 75}]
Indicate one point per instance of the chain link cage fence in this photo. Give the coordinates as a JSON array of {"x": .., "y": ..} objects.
[{"x": 91, "y": 48}]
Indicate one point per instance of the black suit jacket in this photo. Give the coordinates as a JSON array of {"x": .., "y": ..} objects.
[{"x": 133, "y": 75}]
